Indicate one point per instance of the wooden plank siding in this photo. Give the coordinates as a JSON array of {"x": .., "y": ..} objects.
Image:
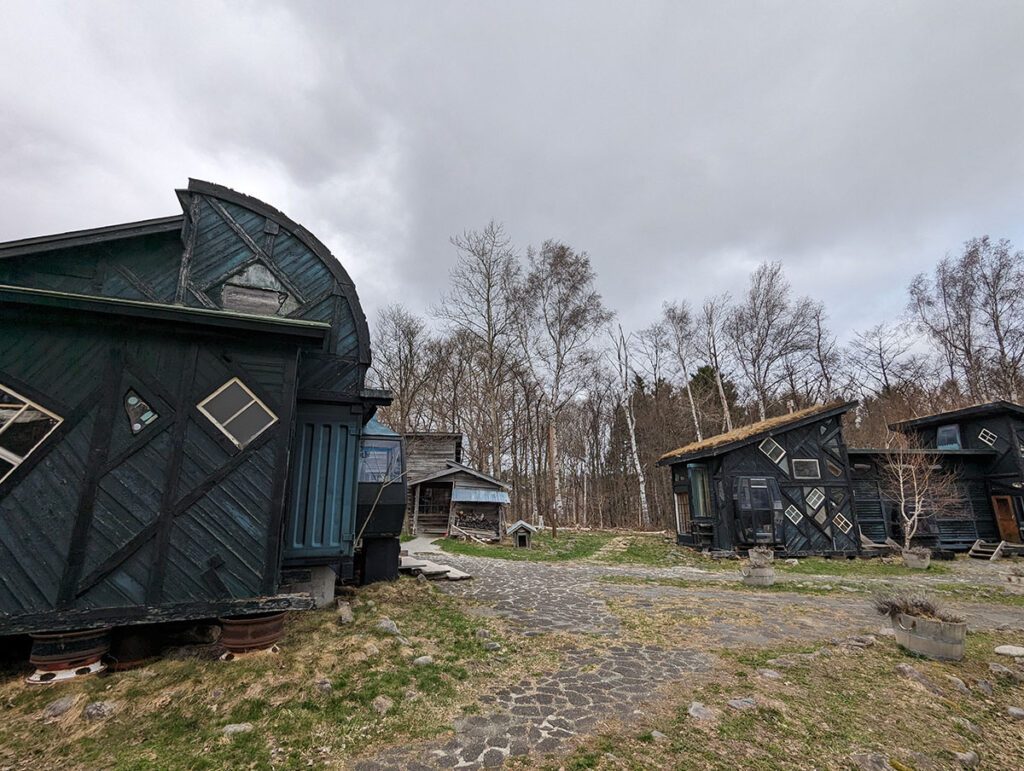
[{"x": 101, "y": 525}]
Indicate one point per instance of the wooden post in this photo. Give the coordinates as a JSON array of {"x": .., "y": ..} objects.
[{"x": 416, "y": 511}]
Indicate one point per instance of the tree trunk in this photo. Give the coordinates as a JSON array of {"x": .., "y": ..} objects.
[
  {"x": 645, "y": 514},
  {"x": 556, "y": 486}
]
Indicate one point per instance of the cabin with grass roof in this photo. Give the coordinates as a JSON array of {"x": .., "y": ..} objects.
[{"x": 784, "y": 483}]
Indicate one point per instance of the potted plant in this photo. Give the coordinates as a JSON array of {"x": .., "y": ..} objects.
[
  {"x": 917, "y": 557},
  {"x": 923, "y": 627},
  {"x": 759, "y": 570}
]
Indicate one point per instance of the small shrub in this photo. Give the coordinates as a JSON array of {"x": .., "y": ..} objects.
[{"x": 893, "y": 605}]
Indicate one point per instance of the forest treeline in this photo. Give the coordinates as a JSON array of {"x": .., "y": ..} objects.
[{"x": 522, "y": 356}]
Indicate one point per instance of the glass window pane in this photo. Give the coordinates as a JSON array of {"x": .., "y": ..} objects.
[
  {"x": 27, "y": 430},
  {"x": 249, "y": 423},
  {"x": 227, "y": 402},
  {"x": 379, "y": 461},
  {"x": 5, "y": 467}
]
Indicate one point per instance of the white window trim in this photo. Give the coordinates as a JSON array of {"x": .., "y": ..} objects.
[
  {"x": 819, "y": 497},
  {"x": 794, "y": 514},
  {"x": 988, "y": 437},
  {"x": 842, "y": 523},
  {"x": 817, "y": 466},
  {"x": 7, "y": 455},
  {"x": 773, "y": 446},
  {"x": 254, "y": 400}
]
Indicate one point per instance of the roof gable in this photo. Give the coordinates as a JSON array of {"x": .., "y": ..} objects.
[
  {"x": 455, "y": 468},
  {"x": 965, "y": 413}
]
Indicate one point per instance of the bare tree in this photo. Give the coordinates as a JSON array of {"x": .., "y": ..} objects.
[
  {"x": 481, "y": 303},
  {"x": 1000, "y": 286},
  {"x": 714, "y": 313},
  {"x": 399, "y": 360},
  {"x": 914, "y": 480},
  {"x": 626, "y": 386},
  {"x": 682, "y": 337},
  {"x": 765, "y": 328},
  {"x": 565, "y": 313}
]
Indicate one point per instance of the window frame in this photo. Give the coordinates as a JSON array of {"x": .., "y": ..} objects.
[
  {"x": 254, "y": 399},
  {"x": 8, "y": 455},
  {"x": 817, "y": 468},
  {"x": 947, "y": 446},
  {"x": 774, "y": 445},
  {"x": 985, "y": 433}
]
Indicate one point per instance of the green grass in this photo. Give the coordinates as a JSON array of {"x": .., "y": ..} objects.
[
  {"x": 656, "y": 551},
  {"x": 172, "y": 716},
  {"x": 406, "y": 537},
  {"x": 732, "y": 586},
  {"x": 864, "y": 568},
  {"x": 979, "y": 593},
  {"x": 570, "y": 545}
]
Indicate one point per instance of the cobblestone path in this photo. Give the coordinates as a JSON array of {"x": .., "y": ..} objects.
[{"x": 610, "y": 682}]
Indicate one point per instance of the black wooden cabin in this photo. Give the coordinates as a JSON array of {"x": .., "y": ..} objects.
[
  {"x": 983, "y": 446},
  {"x": 181, "y": 406},
  {"x": 783, "y": 483}
]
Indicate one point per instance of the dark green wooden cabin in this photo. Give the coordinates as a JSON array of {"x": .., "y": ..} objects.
[
  {"x": 782, "y": 483},
  {"x": 181, "y": 403}
]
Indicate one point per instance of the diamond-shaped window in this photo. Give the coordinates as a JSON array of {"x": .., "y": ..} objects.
[
  {"x": 23, "y": 427},
  {"x": 256, "y": 290}
]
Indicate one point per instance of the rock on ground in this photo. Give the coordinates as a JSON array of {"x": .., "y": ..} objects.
[
  {"x": 700, "y": 712},
  {"x": 492, "y": 646},
  {"x": 1015, "y": 712},
  {"x": 387, "y": 626},
  {"x": 345, "y": 615},
  {"x": 236, "y": 728},
  {"x": 907, "y": 671},
  {"x": 959, "y": 685},
  {"x": 382, "y": 704},
  {"x": 870, "y": 761},
  {"x": 324, "y": 686},
  {"x": 98, "y": 710},
  {"x": 1010, "y": 650},
  {"x": 658, "y": 736},
  {"x": 770, "y": 674},
  {"x": 742, "y": 704},
  {"x": 423, "y": 661},
  {"x": 482, "y": 634},
  {"x": 962, "y": 721},
  {"x": 58, "y": 707},
  {"x": 968, "y": 759}
]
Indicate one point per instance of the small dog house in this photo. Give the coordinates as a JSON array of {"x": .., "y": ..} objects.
[{"x": 521, "y": 533}]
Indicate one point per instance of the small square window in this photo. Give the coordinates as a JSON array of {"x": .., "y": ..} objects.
[
  {"x": 833, "y": 469},
  {"x": 23, "y": 427},
  {"x": 772, "y": 449},
  {"x": 842, "y": 523},
  {"x": 815, "y": 497},
  {"x": 794, "y": 515},
  {"x": 236, "y": 411},
  {"x": 987, "y": 437},
  {"x": 806, "y": 468}
]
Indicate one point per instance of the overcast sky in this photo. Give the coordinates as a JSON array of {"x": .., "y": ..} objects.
[{"x": 678, "y": 144}]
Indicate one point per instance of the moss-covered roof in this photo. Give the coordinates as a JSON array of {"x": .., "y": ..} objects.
[{"x": 748, "y": 433}]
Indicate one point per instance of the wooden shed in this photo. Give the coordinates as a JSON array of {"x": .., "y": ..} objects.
[
  {"x": 181, "y": 404},
  {"x": 782, "y": 483},
  {"x": 459, "y": 500}
]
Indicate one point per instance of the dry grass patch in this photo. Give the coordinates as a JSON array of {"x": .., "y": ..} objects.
[
  {"x": 822, "y": 711},
  {"x": 171, "y": 714}
]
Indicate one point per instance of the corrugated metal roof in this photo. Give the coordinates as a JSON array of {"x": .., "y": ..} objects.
[{"x": 472, "y": 495}]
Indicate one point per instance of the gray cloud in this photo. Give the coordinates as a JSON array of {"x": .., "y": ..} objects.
[{"x": 678, "y": 145}]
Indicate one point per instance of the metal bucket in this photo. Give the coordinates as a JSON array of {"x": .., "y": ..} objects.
[
  {"x": 242, "y": 634},
  {"x": 942, "y": 640}
]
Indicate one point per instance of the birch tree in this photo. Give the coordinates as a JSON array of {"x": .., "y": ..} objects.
[
  {"x": 626, "y": 385},
  {"x": 682, "y": 339}
]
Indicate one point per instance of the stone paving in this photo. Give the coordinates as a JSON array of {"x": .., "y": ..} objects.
[{"x": 614, "y": 680}]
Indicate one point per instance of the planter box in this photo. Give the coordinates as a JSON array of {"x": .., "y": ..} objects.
[
  {"x": 758, "y": 576},
  {"x": 942, "y": 640},
  {"x": 917, "y": 561}
]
